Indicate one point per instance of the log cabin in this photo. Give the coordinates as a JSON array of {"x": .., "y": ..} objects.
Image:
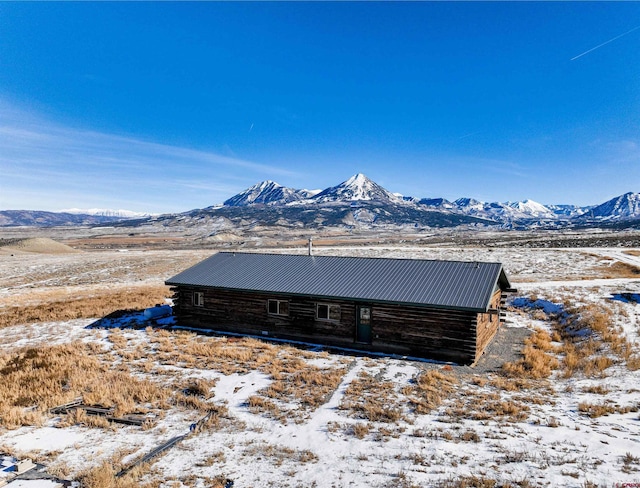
[{"x": 433, "y": 309}]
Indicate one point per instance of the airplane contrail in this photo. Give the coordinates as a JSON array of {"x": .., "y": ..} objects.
[
  {"x": 604, "y": 43},
  {"x": 470, "y": 134}
]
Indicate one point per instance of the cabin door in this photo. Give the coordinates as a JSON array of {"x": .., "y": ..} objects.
[{"x": 363, "y": 324}]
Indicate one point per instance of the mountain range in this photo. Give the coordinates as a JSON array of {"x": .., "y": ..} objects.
[
  {"x": 41, "y": 218},
  {"x": 358, "y": 202},
  {"x": 105, "y": 212},
  {"x": 360, "y": 189}
]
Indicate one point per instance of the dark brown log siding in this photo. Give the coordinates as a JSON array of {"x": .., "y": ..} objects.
[
  {"x": 409, "y": 330},
  {"x": 424, "y": 332},
  {"x": 488, "y": 324}
]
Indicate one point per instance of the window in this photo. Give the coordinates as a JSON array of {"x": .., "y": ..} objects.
[
  {"x": 198, "y": 299},
  {"x": 278, "y": 307},
  {"x": 324, "y": 311}
]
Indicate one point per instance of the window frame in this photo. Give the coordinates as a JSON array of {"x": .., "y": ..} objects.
[
  {"x": 278, "y": 311},
  {"x": 329, "y": 306},
  {"x": 197, "y": 299}
]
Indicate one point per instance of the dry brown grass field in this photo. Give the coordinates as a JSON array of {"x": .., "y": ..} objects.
[
  {"x": 619, "y": 270},
  {"x": 289, "y": 416},
  {"x": 62, "y": 305}
]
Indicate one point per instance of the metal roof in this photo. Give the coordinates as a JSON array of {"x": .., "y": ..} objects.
[{"x": 459, "y": 285}]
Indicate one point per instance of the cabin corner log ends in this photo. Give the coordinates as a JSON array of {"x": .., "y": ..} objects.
[{"x": 441, "y": 310}]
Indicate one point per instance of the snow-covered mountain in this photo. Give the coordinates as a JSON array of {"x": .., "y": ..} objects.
[
  {"x": 358, "y": 201},
  {"x": 532, "y": 209},
  {"x": 439, "y": 203},
  {"x": 267, "y": 192},
  {"x": 469, "y": 205},
  {"x": 624, "y": 207},
  {"x": 308, "y": 193},
  {"x": 476, "y": 208},
  {"x": 357, "y": 188},
  {"x": 504, "y": 212},
  {"x": 567, "y": 211},
  {"x": 104, "y": 212},
  {"x": 40, "y": 218}
]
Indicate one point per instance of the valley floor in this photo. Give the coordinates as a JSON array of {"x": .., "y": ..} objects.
[{"x": 564, "y": 413}]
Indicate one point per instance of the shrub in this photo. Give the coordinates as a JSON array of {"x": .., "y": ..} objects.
[
  {"x": 361, "y": 429},
  {"x": 372, "y": 399},
  {"x": 594, "y": 410},
  {"x": 535, "y": 363},
  {"x": 468, "y": 482},
  {"x": 470, "y": 436},
  {"x": 431, "y": 388}
]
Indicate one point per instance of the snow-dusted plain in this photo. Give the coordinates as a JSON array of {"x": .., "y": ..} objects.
[{"x": 542, "y": 438}]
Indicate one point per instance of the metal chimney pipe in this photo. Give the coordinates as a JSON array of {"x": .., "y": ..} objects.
[{"x": 310, "y": 246}]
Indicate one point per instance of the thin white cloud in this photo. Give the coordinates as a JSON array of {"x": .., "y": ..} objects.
[{"x": 70, "y": 167}]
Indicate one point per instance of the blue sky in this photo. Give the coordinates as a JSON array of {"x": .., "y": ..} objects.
[{"x": 167, "y": 107}]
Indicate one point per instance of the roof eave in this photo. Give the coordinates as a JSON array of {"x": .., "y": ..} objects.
[{"x": 331, "y": 297}]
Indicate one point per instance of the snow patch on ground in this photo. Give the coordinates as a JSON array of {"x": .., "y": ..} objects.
[
  {"x": 44, "y": 439},
  {"x": 33, "y": 484}
]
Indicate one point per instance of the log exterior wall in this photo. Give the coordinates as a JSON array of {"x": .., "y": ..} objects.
[
  {"x": 488, "y": 323},
  {"x": 449, "y": 335}
]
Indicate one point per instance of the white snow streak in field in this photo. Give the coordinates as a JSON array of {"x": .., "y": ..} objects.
[{"x": 33, "y": 484}]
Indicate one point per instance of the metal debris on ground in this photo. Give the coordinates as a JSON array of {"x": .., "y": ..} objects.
[{"x": 130, "y": 419}]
